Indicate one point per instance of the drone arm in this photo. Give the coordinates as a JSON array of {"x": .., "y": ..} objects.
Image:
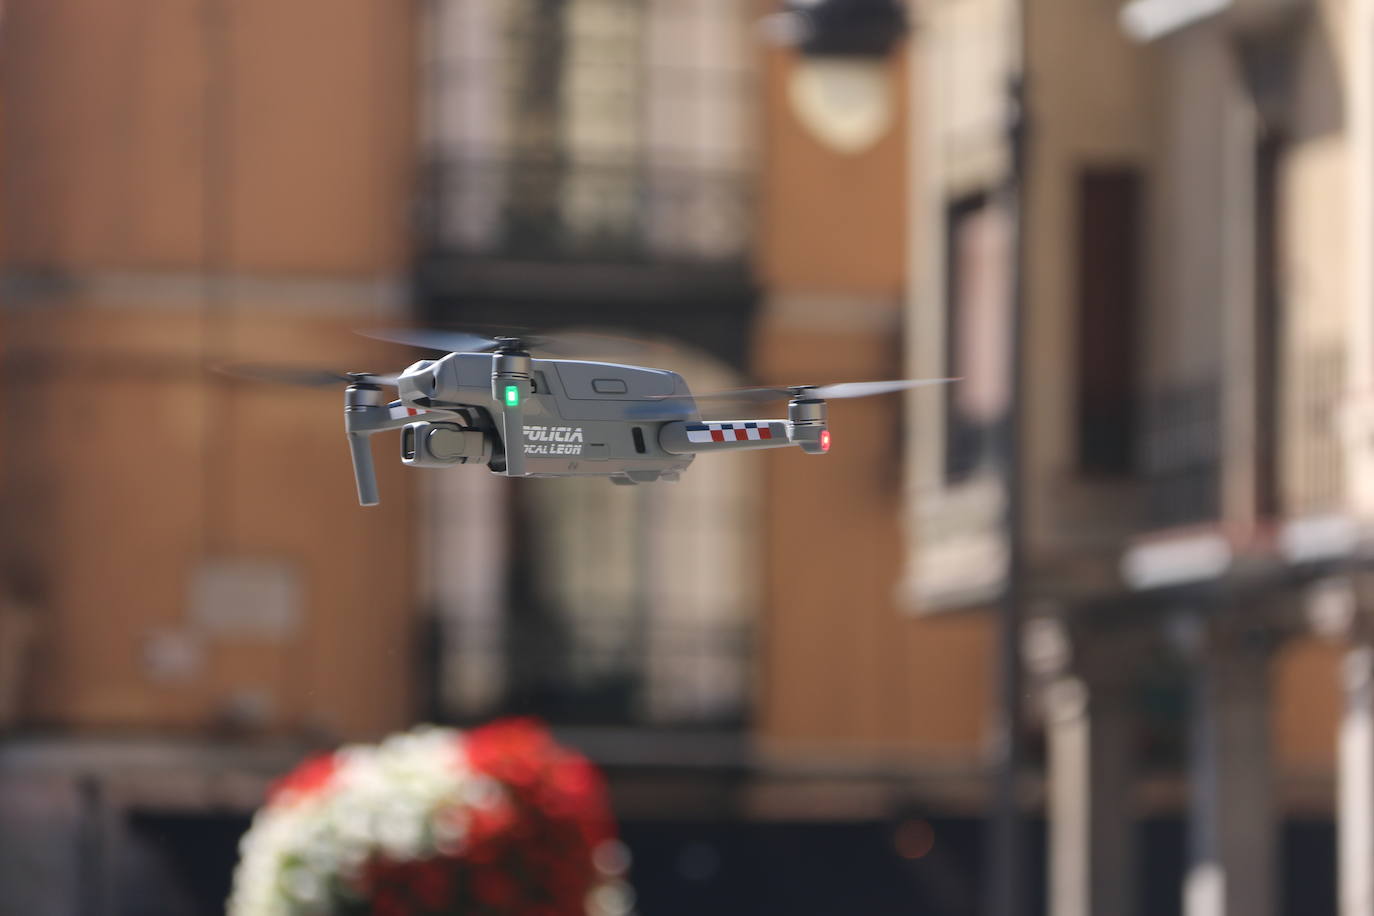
[
  {"x": 683, "y": 437},
  {"x": 365, "y": 414},
  {"x": 510, "y": 387},
  {"x": 512, "y": 438}
]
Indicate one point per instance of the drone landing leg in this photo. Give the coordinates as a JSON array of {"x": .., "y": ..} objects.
[
  {"x": 366, "y": 413},
  {"x": 513, "y": 437},
  {"x": 364, "y": 472}
]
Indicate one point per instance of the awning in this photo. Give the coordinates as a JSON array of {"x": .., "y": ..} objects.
[{"x": 1149, "y": 20}]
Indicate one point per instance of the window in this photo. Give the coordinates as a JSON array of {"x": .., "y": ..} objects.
[
  {"x": 977, "y": 332},
  {"x": 1109, "y": 278},
  {"x": 591, "y": 129},
  {"x": 589, "y": 603}
]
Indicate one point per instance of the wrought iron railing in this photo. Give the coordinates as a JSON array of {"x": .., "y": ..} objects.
[
  {"x": 548, "y": 208},
  {"x": 1315, "y": 457},
  {"x": 1181, "y": 454},
  {"x": 620, "y": 670},
  {"x": 1299, "y": 458}
]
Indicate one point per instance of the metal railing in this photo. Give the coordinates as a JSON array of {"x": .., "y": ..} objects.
[
  {"x": 1180, "y": 457},
  {"x": 1313, "y": 460},
  {"x": 550, "y": 208},
  {"x": 625, "y": 669}
]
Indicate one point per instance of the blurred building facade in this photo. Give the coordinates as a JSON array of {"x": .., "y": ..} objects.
[
  {"x": 191, "y": 599},
  {"x": 1196, "y": 245},
  {"x": 188, "y": 603}
]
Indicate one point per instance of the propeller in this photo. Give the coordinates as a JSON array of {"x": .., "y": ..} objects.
[
  {"x": 447, "y": 341},
  {"x": 826, "y": 392},
  {"x": 304, "y": 376},
  {"x": 361, "y": 399},
  {"x": 817, "y": 392},
  {"x": 573, "y": 344}
]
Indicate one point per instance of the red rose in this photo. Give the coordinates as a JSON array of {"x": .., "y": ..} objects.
[
  {"x": 433, "y": 883},
  {"x": 494, "y": 887},
  {"x": 309, "y": 777},
  {"x": 526, "y": 853},
  {"x": 389, "y": 902}
]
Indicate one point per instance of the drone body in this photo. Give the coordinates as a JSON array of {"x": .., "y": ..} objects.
[
  {"x": 489, "y": 402},
  {"x": 526, "y": 417}
]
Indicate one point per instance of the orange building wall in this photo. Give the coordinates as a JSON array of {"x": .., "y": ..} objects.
[
  {"x": 145, "y": 146},
  {"x": 1307, "y": 705},
  {"x": 135, "y": 131},
  {"x": 843, "y": 667},
  {"x": 831, "y": 222}
]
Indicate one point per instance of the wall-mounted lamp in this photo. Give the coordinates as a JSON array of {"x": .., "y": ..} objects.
[{"x": 840, "y": 88}]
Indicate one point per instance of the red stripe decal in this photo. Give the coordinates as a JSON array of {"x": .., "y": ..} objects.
[
  {"x": 765, "y": 432},
  {"x": 717, "y": 435},
  {"x": 741, "y": 435}
]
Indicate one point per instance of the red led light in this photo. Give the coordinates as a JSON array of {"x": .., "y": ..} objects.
[{"x": 825, "y": 440}]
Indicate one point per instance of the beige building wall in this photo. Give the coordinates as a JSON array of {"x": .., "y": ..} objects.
[
  {"x": 1076, "y": 124},
  {"x": 1320, "y": 186},
  {"x": 1316, "y": 267},
  {"x": 958, "y": 88},
  {"x": 1181, "y": 111}
]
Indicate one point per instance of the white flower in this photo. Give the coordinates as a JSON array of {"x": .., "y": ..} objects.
[{"x": 406, "y": 798}]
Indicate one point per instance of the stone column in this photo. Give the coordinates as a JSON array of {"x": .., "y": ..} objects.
[
  {"x": 1233, "y": 863},
  {"x": 1355, "y": 784},
  {"x": 1089, "y": 777},
  {"x": 1337, "y": 611}
]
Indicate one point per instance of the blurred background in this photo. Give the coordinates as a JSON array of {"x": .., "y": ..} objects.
[{"x": 1086, "y": 633}]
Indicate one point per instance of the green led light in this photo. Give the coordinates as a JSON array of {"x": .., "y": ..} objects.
[{"x": 512, "y": 396}]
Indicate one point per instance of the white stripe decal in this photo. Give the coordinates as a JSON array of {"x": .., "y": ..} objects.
[{"x": 742, "y": 431}]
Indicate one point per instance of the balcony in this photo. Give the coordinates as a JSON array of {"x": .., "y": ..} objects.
[
  {"x": 612, "y": 211},
  {"x": 659, "y": 250},
  {"x": 592, "y": 155},
  {"x": 1181, "y": 455},
  {"x": 1150, "y": 20},
  {"x": 615, "y": 667}
]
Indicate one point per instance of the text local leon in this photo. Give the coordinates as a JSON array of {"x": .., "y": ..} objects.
[{"x": 553, "y": 440}]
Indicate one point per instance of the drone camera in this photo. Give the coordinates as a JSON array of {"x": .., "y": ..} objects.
[{"x": 437, "y": 445}]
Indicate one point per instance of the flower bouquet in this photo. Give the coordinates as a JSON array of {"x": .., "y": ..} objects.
[{"x": 500, "y": 820}]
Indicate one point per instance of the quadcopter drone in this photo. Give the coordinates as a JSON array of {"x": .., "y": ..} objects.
[{"x": 489, "y": 402}]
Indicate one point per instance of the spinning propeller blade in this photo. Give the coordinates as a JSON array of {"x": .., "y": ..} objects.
[
  {"x": 763, "y": 394},
  {"x": 869, "y": 389},
  {"x": 572, "y": 344},
  {"x": 361, "y": 399},
  {"x": 426, "y": 339},
  {"x": 303, "y": 376}
]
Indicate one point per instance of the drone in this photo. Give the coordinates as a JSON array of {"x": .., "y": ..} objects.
[{"x": 489, "y": 402}]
